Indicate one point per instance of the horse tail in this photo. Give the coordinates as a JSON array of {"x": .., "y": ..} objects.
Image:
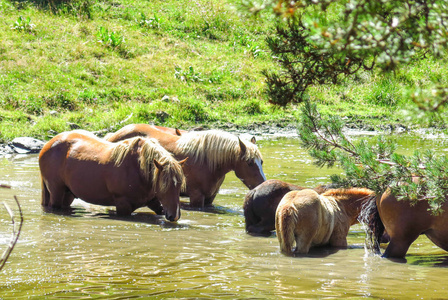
[
  {"x": 45, "y": 194},
  {"x": 285, "y": 222},
  {"x": 249, "y": 215},
  {"x": 375, "y": 227}
]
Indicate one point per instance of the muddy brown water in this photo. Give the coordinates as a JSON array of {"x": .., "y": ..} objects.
[{"x": 207, "y": 254}]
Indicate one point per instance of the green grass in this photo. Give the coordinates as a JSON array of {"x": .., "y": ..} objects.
[{"x": 174, "y": 63}]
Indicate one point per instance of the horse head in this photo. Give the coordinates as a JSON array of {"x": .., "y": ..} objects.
[
  {"x": 248, "y": 168},
  {"x": 170, "y": 180}
]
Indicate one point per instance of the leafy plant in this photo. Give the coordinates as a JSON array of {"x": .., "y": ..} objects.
[
  {"x": 23, "y": 24},
  {"x": 187, "y": 75},
  {"x": 254, "y": 50},
  {"x": 153, "y": 23},
  {"x": 110, "y": 38}
]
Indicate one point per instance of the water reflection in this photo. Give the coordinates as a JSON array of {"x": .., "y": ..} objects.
[{"x": 92, "y": 253}]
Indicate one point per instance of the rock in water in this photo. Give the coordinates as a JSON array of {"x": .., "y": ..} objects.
[{"x": 25, "y": 145}]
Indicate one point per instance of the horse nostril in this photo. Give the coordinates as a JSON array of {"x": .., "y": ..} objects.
[{"x": 171, "y": 218}]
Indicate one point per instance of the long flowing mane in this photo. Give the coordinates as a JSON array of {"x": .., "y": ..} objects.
[
  {"x": 344, "y": 194},
  {"x": 214, "y": 148},
  {"x": 150, "y": 150}
]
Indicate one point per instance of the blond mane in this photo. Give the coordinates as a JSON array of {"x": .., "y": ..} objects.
[
  {"x": 215, "y": 148},
  {"x": 150, "y": 150}
]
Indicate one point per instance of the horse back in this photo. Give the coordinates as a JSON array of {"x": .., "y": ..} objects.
[
  {"x": 58, "y": 153},
  {"x": 266, "y": 196},
  {"x": 166, "y": 140}
]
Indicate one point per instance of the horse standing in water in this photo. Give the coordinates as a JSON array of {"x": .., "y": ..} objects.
[
  {"x": 131, "y": 174},
  {"x": 404, "y": 223},
  {"x": 211, "y": 155},
  {"x": 261, "y": 203},
  {"x": 307, "y": 219}
]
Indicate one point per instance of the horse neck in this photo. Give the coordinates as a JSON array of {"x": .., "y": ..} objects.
[
  {"x": 219, "y": 170},
  {"x": 168, "y": 141}
]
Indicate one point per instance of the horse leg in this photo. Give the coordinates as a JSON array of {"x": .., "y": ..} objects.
[
  {"x": 45, "y": 194},
  {"x": 304, "y": 235},
  {"x": 197, "y": 200},
  {"x": 57, "y": 194},
  {"x": 264, "y": 227},
  {"x": 208, "y": 201},
  {"x": 399, "y": 245},
  {"x": 123, "y": 206},
  {"x": 303, "y": 243},
  {"x": 67, "y": 198},
  {"x": 339, "y": 237}
]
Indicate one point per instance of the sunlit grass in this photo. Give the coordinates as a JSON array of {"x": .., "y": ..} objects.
[{"x": 94, "y": 63}]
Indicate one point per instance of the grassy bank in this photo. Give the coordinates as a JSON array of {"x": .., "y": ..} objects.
[{"x": 93, "y": 64}]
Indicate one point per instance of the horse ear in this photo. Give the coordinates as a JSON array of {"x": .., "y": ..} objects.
[
  {"x": 158, "y": 165},
  {"x": 253, "y": 141},
  {"x": 242, "y": 146},
  {"x": 178, "y": 132},
  {"x": 183, "y": 161}
]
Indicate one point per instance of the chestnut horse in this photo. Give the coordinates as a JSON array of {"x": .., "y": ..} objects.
[
  {"x": 211, "y": 155},
  {"x": 309, "y": 219},
  {"x": 131, "y": 174},
  {"x": 404, "y": 223},
  {"x": 261, "y": 203},
  {"x": 174, "y": 131}
]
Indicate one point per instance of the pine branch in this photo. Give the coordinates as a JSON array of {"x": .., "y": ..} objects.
[{"x": 421, "y": 177}]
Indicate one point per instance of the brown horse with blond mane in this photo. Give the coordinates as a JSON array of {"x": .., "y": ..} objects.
[
  {"x": 307, "y": 219},
  {"x": 261, "y": 203},
  {"x": 133, "y": 173},
  {"x": 405, "y": 222},
  {"x": 211, "y": 155}
]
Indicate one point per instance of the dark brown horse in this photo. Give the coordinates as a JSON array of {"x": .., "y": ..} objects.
[
  {"x": 261, "y": 203},
  {"x": 307, "y": 219},
  {"x": 131, "y": 174},
  {"x": 405, "y": 222},
  {"x": 211, "y": 155}
]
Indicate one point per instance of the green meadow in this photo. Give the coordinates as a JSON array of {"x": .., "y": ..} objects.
[{"x": 102, "y": 64}]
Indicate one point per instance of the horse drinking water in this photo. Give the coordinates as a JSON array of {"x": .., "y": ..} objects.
[
  {"x": 261, "y": 203},
  {"x": 211, "y": 155},
  {"x": 131, "y": 174},
  {"x": 307, "y": 219}
]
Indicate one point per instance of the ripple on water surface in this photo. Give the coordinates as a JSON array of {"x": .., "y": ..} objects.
[{"x": 91, "y": 253}]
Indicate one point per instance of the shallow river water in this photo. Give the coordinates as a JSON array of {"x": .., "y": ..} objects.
[{"x": 207, "y": 254}]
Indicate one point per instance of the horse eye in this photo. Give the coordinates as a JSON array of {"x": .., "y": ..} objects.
[{"x": 251, "y": 163}]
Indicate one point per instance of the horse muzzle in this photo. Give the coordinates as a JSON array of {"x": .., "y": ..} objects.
[{"x": 173, "y": 218}]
